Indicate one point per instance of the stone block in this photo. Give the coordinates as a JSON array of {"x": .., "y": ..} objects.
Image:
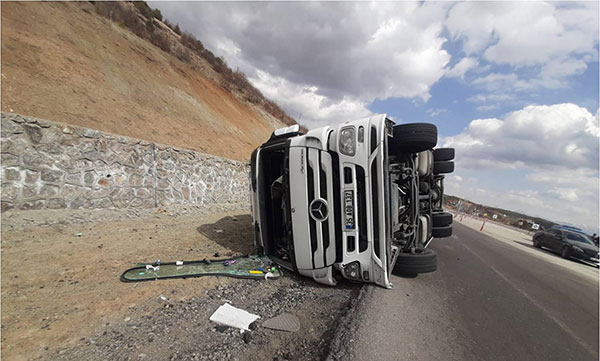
[
  {"x": 51, "y": 135},
  {"x": 149, "y": 181},
  {"x": 36, "y": 204},
  {"x": 52, "y": 175},
  {"x": 90, "y": 133},
  {"x": 49, "y": 190},
  {"x": 83, "y": 164},
  {"x": 136, "y": 180},
  {"x": 72, "y": 191},
  {"x": 31, "y": 176},
  {"x": 34, "y": 159},
  {"x": 99, "y": 193},
  {"x": 89, "y": 177},
  {"x": 10, "y": 192},
  {"x": 120, "y": 180},
  {"x": 73, "y": 178},
  {"x": 12, "y": 174},
  {"x": 56, "y": 203},
  {"x": 30, "y": 191},
  {"x": 163, "y": 184},
  {"x": 80, "y": 202},
  {"x": 103, "y": 203},
  {"x": 50, "y": 148},
  {"x": 10, "y": 128},
  {"x": 15, "y": 145},
  {"x": 34, "y": 133},
  {"x": 143, "y": 193},
  {"x": 105, "y": 182}
]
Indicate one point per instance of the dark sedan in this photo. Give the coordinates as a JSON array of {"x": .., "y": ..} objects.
[{"x": 569, "y": 244}]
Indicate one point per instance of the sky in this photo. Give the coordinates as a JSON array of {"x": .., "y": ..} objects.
[{"x": 512, "y": 86}]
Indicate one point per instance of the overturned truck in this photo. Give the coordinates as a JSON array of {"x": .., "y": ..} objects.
[{"x": 359, "y": 200}]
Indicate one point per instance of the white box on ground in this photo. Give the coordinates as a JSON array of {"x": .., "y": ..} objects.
[{"x": 231, "y": 316}]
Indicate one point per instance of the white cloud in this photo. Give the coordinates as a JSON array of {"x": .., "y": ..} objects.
[
  {"x": 525, "y": 33},
  {"x": 462, "y": 67},
  {"x": 304, "y": 102},
  {"x": 435, "y": 112},
  {"x": 537, "y": 136},
  {"x": 567, "y": 194},
  {"x": 487, "y": 108},
  {"x": 553, "y": 40},
  {"x": 366, "y": 51},
  {"x": 556, "y": 149}
]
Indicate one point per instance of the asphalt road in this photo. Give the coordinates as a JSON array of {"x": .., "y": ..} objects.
[{"x": 488, "y": 300}]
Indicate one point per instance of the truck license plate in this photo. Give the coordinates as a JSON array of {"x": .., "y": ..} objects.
[{"x": 349, "y": 209}]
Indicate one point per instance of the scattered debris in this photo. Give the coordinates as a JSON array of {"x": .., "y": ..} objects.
[
  {"x": 229, "y": 262},
  {"x": 218, "y": 231},
  {"x": 78, "y": 234},
  {"x": 179, "y": 263},
  {"x": 149, "y": 266},
  {"x": 283, "y": 322},
  {"x": 231, "y": 316}
]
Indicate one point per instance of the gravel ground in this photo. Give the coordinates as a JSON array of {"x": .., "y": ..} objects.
[
  {"x": 181, "y": 330},
  {"x": 74, "y": 258}
]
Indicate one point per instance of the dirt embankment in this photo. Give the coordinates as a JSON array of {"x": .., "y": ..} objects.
[{"x": 63, "y": 62}]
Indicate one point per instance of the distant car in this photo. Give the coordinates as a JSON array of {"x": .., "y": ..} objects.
[{"x": 569, "y": 244}]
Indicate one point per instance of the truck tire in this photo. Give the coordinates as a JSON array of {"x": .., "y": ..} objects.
[
  {"x": 441, "y": 154},
  {"x": 443, "y": 167},
  {"x": 441, "y": 232},
  {"x": 441, "y": 219},
  {"x": 408, "y": 263},
  {"x": 413, "y": 138}
]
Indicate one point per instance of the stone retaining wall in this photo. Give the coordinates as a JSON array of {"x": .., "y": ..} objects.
[{"x": 52, "y": 165}]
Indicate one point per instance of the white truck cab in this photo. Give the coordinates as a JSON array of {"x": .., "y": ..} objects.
[{"x": 357, "y": 200}]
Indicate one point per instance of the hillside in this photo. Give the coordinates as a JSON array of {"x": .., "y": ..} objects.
[{"x": 65, "y": 62}]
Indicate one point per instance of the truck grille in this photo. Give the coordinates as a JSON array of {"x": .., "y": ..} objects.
[{"x": 320, "y": 186}]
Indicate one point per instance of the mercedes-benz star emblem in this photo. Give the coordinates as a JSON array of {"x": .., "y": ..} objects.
[{"x": 318, "y": 210}]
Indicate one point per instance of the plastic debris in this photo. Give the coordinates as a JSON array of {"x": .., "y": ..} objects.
[
  {"x": 78, "y": 234},
  {"x": 179, "y": 263},
  {"x": 256, "y": 272},
  {"x": 283, "y": 322},
  {"x": 218, "y": 231},
  {"x": 231, "y": 316},
  {"x": 269, "y": 274},
  {"x": 149, "y": 266},
  {"x": 229, "y": 262}
]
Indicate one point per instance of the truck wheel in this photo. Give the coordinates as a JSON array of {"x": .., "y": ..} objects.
[
  {"x": 441, "y": 232},
  {"x": 536, "y": 243},
  {"x": 441, "y": 219},
  {"x": 408, "y": 263},
  {"x": 441, "y": 154},
  {"x": 443, "y": 167},
  {"x": 413, "y": 138}
]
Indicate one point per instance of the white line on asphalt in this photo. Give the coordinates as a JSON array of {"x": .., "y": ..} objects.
[{"x": 535, "y": 303}]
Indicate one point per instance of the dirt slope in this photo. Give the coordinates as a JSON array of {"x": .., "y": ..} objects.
[{"x": 63, "y": 62}]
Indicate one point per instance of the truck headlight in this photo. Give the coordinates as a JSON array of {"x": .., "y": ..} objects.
[{"x": 347, "y": 143}]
